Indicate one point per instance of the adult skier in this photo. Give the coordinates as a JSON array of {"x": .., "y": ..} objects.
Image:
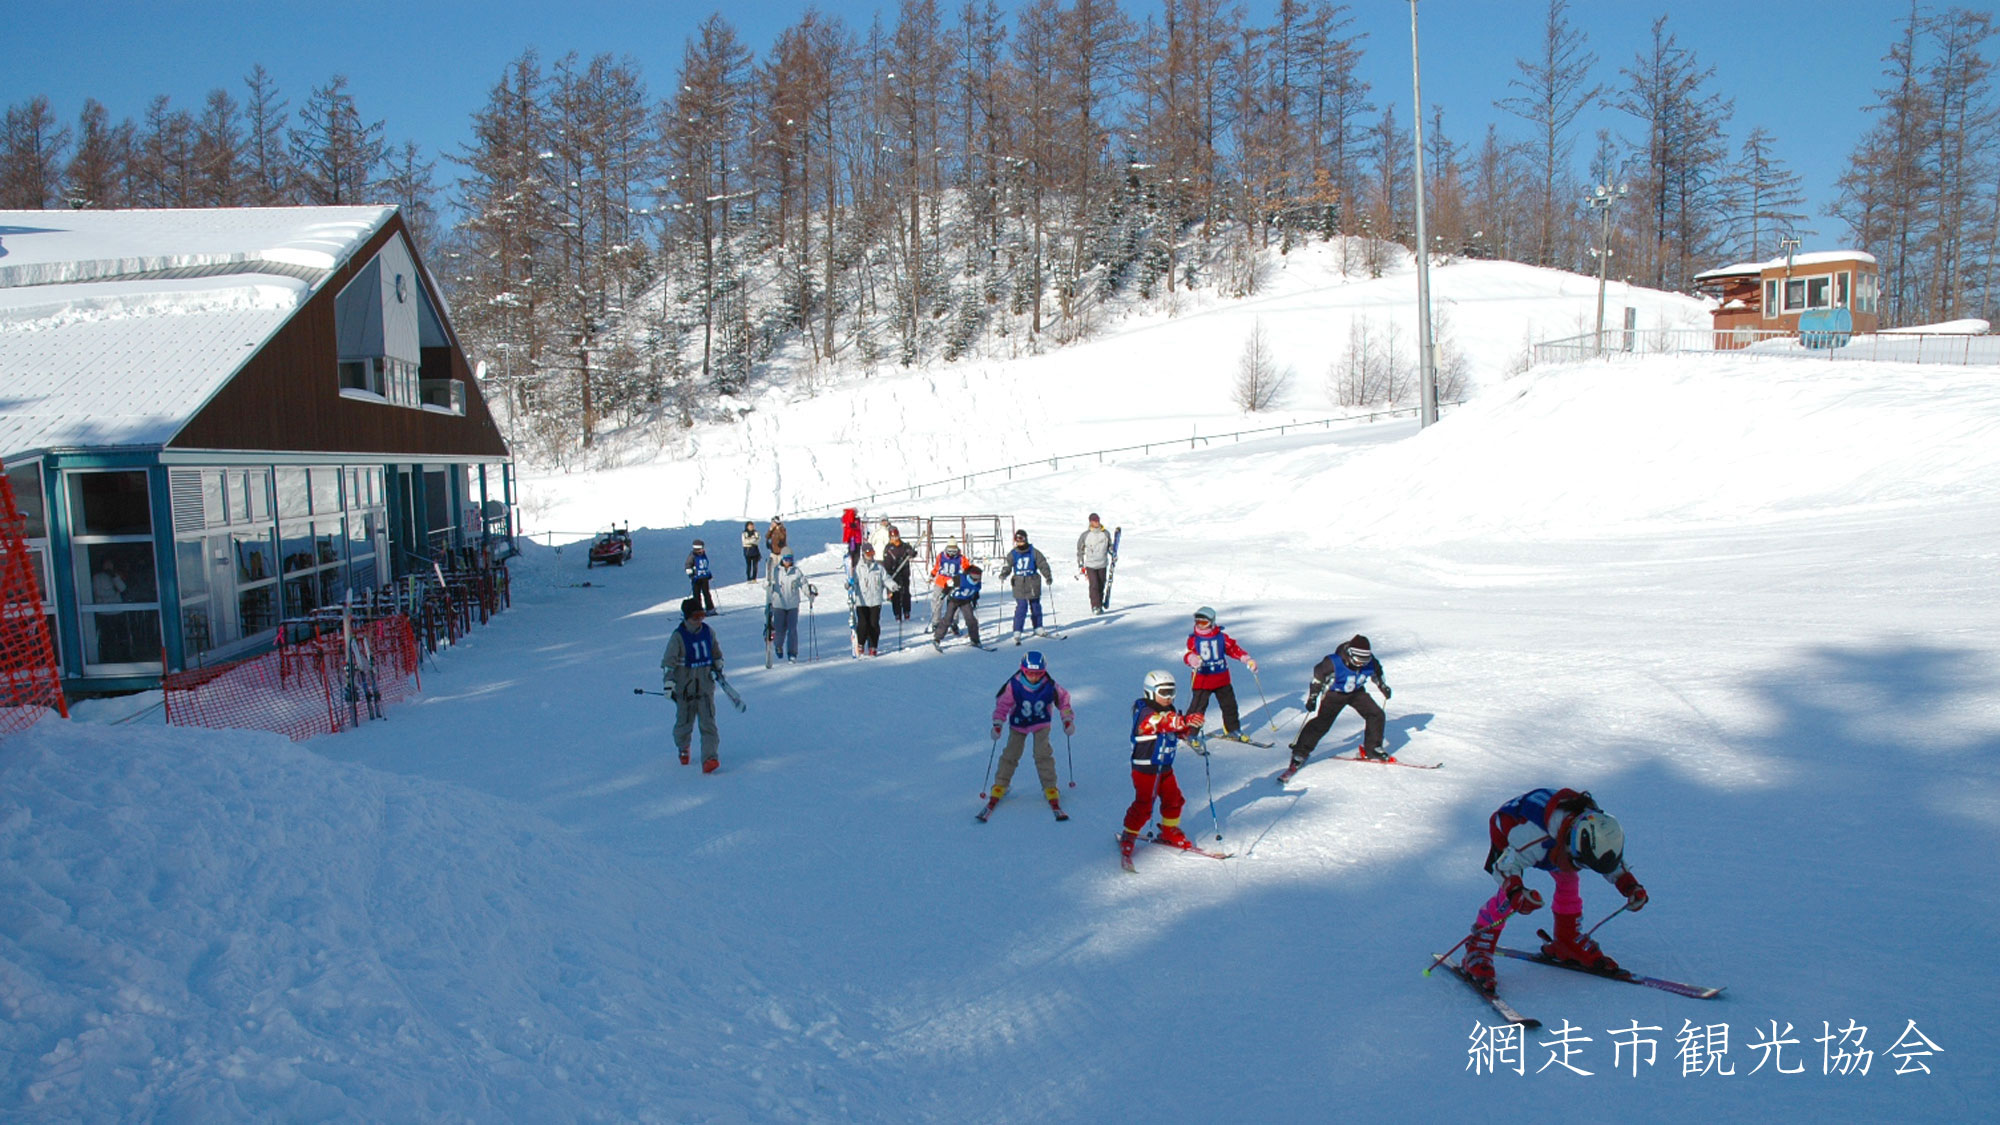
[
  {"x": 871, "y": 583},
  {"x": 1340, "y": 680},
  {"x": 692, "y": 661},
  {"x": 700, "y": 574},
  {"x": 1025, "y": 704},
  {"x": 1560, "y": 831},
  {"x": 961, "y": 601},
  {"x": 751, "y": 554},
  {"x": 1030, "y": 569},
  {"x": 1209, "y": 650},
  {"x": 776, "y": 539},
  {"x": 896, "y": 559},
  {"x": 1093, "y": 556},
  {"x": 1157, "y": 731},
  {"x": 786, "y": 588}
]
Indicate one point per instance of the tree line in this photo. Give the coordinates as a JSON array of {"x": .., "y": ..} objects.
[{"x": 947, "y": 182}]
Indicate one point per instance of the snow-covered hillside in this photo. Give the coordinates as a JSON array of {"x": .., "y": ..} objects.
[
  {"x": 1748, "y": 603},
  {"x": 1154, "y": 376}
]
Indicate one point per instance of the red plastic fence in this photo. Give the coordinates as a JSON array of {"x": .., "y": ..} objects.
[
  {"x": 29, "y": 684},
  {"x": 301, "y": 689}
]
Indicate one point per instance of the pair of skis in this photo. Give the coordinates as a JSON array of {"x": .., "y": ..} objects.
[
  {"x": 994, "y": 803},
  {"x": 1508, "y": 1012},
  {"x": 1125, "y": 861},
  {"x": 1285, "y": 774}
]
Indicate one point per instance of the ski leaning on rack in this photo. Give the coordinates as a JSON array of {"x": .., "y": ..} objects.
[
  {"x": 1505, "y": 1009},
  {"x": 1692, "y": 991}
]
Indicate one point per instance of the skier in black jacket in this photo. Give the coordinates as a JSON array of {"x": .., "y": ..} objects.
[
  {"x": 1339, "y": 680},
  {"x": 896, "y": 558}
]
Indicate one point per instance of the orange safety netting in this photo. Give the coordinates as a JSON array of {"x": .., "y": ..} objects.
[
  {"x": 29, "y": 683},
  {"x": 316, "y": 685}
]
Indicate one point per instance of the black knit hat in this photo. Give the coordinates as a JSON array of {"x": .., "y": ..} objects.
[{"x": 689, "y": 607}]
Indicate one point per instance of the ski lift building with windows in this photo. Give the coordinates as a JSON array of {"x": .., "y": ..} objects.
[
  {"x": 1774, "y": 295},
  {"x": 218, "y": 420}
]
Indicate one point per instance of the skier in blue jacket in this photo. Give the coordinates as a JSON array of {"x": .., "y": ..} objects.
[
  {"x": 1339, "y": 681},
  {"x": 700, "y": 574},
  {"x": 961, "y": 600}
]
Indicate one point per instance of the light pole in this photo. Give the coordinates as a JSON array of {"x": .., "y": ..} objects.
[
  {"x": 1427, "y": 413},
  {"x": 1600, "y": 199}
]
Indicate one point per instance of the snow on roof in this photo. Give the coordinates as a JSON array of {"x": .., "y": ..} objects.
[
  {"x": 116, "y": 326},
  {"x": 1816, "y": 258}
]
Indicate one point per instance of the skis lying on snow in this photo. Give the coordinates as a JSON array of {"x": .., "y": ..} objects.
[
  {"x": 1693, "y": 991},
  {"x": 1505, "y": 1009}
]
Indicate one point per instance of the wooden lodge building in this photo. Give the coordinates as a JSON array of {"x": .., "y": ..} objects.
[
  {"x": 1774, "y": 296},
  {"x": 218, "y": 420}
]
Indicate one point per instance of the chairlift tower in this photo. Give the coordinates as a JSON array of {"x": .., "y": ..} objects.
[{"x": 1427, "y": 412}]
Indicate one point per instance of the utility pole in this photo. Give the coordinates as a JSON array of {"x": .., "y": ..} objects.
[
  {"x": 1426, "y": 347},
  {"x": 1600, "y": 199}
]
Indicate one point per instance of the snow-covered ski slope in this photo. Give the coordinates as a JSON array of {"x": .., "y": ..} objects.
[
  {"x": 1748, "y": 603},
  {"x": 1147, "y": 376}
]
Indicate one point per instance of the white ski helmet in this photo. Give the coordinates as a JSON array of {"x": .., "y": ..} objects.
[
  {"x": 1157, "y": 682},
  {"x": 1596, "y": 841}
]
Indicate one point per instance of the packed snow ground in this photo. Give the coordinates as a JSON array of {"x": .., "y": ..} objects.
[{"x": 1748, "y": 603}]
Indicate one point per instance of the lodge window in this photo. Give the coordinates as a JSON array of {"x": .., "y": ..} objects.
[
  {"x": 1802, "y": 293},
  {"x": 111, "y": 551},
  {"x": 1771, "y": 299}
]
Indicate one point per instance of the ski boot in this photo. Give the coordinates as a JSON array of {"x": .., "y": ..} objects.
[
  {"x": 1172, "y": 836},
  {"x": 1055, "y": 803},
  {"x": 1572, "y": 946},
  {"x": 1373, "y": 754},
  {"x": 684, "y": 755},
  {"x": 710, "y": 765},
  {"x": 1477, "y": 963},
  {"x": 1127, "y": 839}
]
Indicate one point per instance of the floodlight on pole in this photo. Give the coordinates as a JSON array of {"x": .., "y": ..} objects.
[
  {"x": 1600, "y": 199},
  {"x": 1426, "y": 347}
]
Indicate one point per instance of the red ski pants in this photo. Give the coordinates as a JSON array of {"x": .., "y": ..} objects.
[{"x": 1144, "y": 787}]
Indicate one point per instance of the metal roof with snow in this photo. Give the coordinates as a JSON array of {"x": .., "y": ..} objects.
[{"x": 117, "y": 326}]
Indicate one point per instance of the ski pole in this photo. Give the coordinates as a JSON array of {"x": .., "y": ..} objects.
[
  {"x": 1070, "y": 748},
  {"x": 1493, "y": 925},
  {"x": 643, "y": 691},
  {"x": 1607, "y": 918},
  {"x": 990, "y": 751},
  {"x": 1213, "y": 819},
  {"x": 1259, "y": 681}
]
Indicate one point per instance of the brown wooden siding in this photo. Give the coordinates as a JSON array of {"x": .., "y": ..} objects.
[{"x": 286, "y": 398}]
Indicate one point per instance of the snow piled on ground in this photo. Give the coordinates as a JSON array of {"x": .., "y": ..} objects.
[{"x": 1749, "y": 603}]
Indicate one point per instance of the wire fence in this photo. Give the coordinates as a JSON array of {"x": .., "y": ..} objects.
[
  {"x": 1834, "y": 347},
  {"x": 1054, "y": 462}
]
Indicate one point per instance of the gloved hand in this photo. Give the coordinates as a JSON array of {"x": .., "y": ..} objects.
[
  {"x": 1193, "y": 722},
  {"x": 1523, "y": 900},
  {"x": 996, "y": 730},
  {"x": 1250, "y": 662},
  {"x": 812, "y": 591},
  {"x": 1635, "y": 895},
  {"x": 667, "y": 685},
  {"x": 1191, "y": 660},
  {"x": 1069, "y": 724},
  {"x": 1386, "y": 693}
]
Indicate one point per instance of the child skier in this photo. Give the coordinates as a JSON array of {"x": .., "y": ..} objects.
[
  {"x": 1208, "y": 653},
  {"x": 692, "y": 661},
  {"x": 1023, "y": 703},
  {"x": 1339, "y": 680},
  {"x": 945, "y": 570},
  {"x": 699, "y": 575},
  {"x": 871, "y": 584},
  {"x": 961, "y": 601},
  {"x": 1157, "y": 730},
  {"x": 1559, "y": 831},
  {"x": 1030, "y": 569}
]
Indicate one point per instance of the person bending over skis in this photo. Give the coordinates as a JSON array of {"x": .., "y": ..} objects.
[
  {"x": 1157, "y": 730},
  {"x": 1339, "y": 681},
  {"x": 1561, "y": 832}
]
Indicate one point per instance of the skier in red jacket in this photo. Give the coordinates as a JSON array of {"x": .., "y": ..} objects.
[{"x": 1209, "y": 650}]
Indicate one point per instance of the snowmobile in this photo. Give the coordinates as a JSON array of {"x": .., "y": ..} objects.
[{"x": 612, "y": 548}]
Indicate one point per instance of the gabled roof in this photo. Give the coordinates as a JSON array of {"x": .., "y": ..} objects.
[
  {"x": 1815, "y": 258},
  {"x": 117, "y": 326}
]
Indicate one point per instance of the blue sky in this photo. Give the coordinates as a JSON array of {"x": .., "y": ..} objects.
[{"x": 1801, "y": 69}]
